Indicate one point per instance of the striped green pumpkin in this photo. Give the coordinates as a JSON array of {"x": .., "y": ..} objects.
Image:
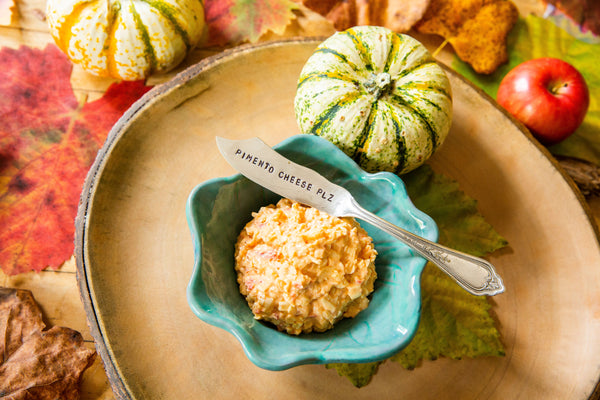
[
  {"x": 378, "y": 95},
  {"x": 126, "y": 39}
]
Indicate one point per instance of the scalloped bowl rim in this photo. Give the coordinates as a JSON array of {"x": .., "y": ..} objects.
[{"x": 314, "y": 356}]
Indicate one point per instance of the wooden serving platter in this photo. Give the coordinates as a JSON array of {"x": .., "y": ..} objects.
[{"x": 135, "y": 257}]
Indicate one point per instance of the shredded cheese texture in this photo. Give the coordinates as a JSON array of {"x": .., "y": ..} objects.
[{"x": 302, "y": 269}]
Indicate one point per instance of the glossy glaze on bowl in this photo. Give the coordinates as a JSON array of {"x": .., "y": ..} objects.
[{"x": 218, "y": 209}]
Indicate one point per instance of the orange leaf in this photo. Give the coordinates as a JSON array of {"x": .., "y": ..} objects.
[
  {"x": 476, "y": 29},
  {"x": 231, "y": 22},
  {"x": 47, "y": 143}
]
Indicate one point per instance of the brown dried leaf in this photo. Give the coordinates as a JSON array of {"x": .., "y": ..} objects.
[
  {"x": 20, "y": 317},
  {"x": 476, "y": 29},
  {"x": 585, "y": 13},
  {"x": 397, "y": 15},
  {"x": 38, "y": 364},
  {"x": 585, "y": 174}
]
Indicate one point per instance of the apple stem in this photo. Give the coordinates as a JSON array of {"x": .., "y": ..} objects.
[{"x": 555, "y": 88}]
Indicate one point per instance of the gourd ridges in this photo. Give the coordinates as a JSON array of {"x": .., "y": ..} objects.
[
  {"x": 326, "y": 118},
  {"x": 361, "y": 48},
  {"x": 409, "y": 53},
  {"x": 361, "y": 141},
  {"x": 401, "y": 143},
  {"x": 433, "y": 134},
  {"x": 149, "y": 52},
  {"x": 402, "y": 94},
  {"x": 325, "y": 75},
  {"x": 367, "y": 132},
  {"x": 342, "y": 57},
  {"x": 65, "y": 29},
  {"x": 169, "y": 12},
  {"x": 166, "y": 11},
  {"x": 361, "y": 157},
  {"x": 396, "y": 41},
  {"x": 110, "y": 44},
  {"x": 430, "y": 87},
  {"x": 412, "y": 69},
  {"x": 395, "y": 49}
]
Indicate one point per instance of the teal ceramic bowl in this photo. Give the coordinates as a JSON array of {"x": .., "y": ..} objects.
[{"x": 218, "y": 209}]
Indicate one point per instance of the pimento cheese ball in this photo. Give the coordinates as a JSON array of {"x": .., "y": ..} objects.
[{"x": 302, "y": 269}]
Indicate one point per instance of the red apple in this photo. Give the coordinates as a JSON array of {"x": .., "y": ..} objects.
[{"x": 548, "y": 95}]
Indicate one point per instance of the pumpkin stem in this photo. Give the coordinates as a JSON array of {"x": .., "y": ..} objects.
[{"x": 377, "y": 84}]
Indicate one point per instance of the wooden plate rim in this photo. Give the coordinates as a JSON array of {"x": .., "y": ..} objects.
[{"x": 116, "y": 380}]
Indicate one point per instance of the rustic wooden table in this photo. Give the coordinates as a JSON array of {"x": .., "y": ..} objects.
[{"x": 57, "y": 291}]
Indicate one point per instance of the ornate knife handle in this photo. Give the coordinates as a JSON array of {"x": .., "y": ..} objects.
[{"x": 474, "y": 274}]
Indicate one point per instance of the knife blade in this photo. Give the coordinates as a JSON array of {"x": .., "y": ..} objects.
[{"x": 254, "y": 159}]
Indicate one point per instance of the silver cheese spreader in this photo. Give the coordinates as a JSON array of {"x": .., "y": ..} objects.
[{"x": 474, "y": 274}]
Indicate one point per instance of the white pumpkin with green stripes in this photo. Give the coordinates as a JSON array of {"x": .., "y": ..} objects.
[
  {"x": 126, "y": 39},
  {"x": 378, "y": 95}
]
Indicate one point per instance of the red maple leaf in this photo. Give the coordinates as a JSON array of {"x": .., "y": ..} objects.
[
  {"x": 232, "y": 22},
  {"x": 48, "y": 141}
]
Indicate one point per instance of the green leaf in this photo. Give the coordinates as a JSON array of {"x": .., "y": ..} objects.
[
  {"x": 453, "y": 323},
  {"x": 535, "y": 37},
  {"x": 459, "y": 222},
  {"x": 359, "y": 374}
]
